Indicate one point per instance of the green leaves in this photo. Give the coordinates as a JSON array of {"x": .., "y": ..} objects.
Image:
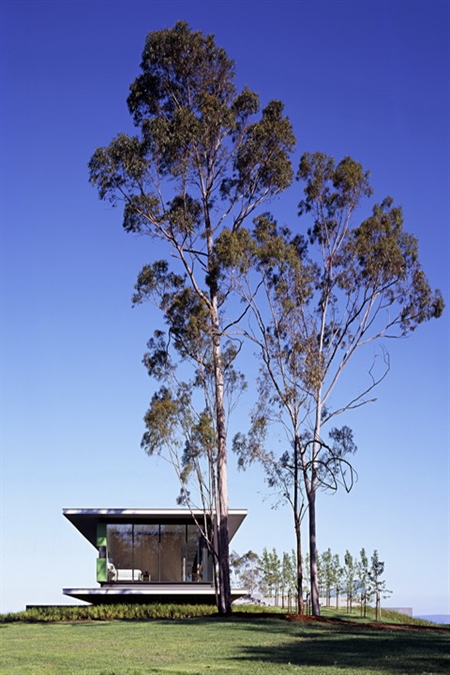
[
  {"x": 385, "y": 262},
  {"x": 376, "y": 588},
  {"x": 161, "y": 420},
  {"x": 157, "y": 280},
  {"x": 262, "y": 161},
  {"x": 118, "y": 168},
  {"x": 186, "y": 314},
  {"x": 332, "y": 193},
  {"x": 384, "y": 253},
  {"x": 234, "y": 249},
  {"x": 196, "y": 131},
  {"x": 179, "y": 68}
]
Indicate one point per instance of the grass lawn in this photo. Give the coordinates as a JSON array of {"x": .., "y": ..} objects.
[{"x": 240, "y": 645}]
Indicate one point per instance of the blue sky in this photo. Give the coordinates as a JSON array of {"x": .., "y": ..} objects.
[{"x": 366, "y": 79}]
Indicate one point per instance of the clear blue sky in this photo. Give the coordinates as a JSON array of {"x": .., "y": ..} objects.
[{"x": 366, "y": 79}]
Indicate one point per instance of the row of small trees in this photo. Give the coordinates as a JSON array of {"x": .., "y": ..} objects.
[{"x": 275, "y": 576}]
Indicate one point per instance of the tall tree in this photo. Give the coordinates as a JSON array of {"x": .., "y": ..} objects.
[
  {"x": 205, "y": 157},
  {"x": 318, "y": 299}
]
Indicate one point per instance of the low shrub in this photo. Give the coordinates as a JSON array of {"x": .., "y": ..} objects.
[
  {"x": 138, "y": 612},
  {"x": 119, "y": 612}
]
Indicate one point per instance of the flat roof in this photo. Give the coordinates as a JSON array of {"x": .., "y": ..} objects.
[{"x": 85, "y": 520}]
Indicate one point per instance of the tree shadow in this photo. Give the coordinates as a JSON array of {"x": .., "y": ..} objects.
[{"x": 389, "y": 651}]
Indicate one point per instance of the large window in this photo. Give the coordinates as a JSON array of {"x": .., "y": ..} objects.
[
  {"x": 171, "y": 553},
  {"x": 120, "y": 553},
  {"x": 145, "y": 547}
]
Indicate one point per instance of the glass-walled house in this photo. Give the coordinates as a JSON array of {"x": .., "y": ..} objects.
[
  {"x": 158, "y": 552},
  {"x": 146, "y": 555}
]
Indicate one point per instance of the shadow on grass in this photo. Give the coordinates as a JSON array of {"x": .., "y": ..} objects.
[{"x": 392, "y": 652}]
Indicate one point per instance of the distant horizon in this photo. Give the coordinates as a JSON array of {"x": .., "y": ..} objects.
[{"x": 434, "y": 618}]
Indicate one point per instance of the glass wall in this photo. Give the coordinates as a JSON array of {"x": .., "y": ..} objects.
[
  {"x": 119, "y": 548},
  {"x": 145, "y": 549},
  {"x": 171, "y": 553}
]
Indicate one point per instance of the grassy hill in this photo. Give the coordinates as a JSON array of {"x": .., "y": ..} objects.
[{"x": 245, "y": 644}]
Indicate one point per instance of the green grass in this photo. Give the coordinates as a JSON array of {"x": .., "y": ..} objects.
[
  {"x": 387, "y": 616},
  {"x": 243, "y": 644}
]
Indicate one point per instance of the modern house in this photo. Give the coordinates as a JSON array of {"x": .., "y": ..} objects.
[{"x": 150, "y": 555}]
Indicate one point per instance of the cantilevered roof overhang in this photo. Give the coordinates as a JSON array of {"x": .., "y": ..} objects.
[{"x": 85, "y": 520}]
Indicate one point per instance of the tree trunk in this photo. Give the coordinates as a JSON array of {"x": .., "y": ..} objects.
[
  {"x": 224, "y": 604},
  {"x": 224, "y": 568},
  {"x": 315, "y": 605},
  {"x": 298, "y": 530},
  {"x": 298, "y": 537},
  {"x": 222, "y": 474},
  {"x": 311, "y": 492}
]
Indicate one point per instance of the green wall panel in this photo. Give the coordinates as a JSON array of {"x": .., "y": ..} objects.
[
  {"x": 102, "y": 572},
  {"x": 101, "y": 534}
]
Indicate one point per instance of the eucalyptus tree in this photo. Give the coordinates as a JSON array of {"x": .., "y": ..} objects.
[
  {"x": 350, "y": 583},
  {"x": 377, "y": 586},
  {"x": 289, "y": 576},
  {"x": 338, "y": 577},
  {"x": 331, "y": 575},
  {"x": 325, "y": 580},
  {"x": 305, "y": 576},
  {"x": 204, "y": 157},
  {"x": 318, "y": 298},
  {"x": 246, "y": 568},
  {"x": 363, "y": 580},
  {"x": 270, "y": 568}
]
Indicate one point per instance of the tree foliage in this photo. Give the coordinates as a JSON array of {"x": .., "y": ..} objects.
[
  {"x": 377, "y": 586},
  {"x": 349, "y": 575},
  {"x": 246, "y": 570},
  {"x": 362, "y": 567},
  {"x": 331, "y": 574}
]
